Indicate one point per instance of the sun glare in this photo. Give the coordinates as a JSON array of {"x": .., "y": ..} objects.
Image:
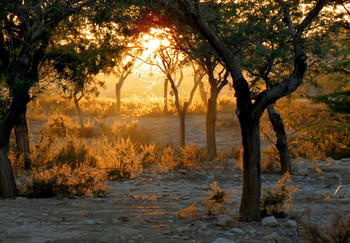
[{"x": 152, "y": 41}]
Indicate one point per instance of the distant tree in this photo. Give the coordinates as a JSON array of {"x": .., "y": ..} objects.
[{"x": 216, "y": 22}]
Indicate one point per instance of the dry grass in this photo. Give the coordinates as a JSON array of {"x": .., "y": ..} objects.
[
  {"x": 338, "y": 231},
  {"x": 191, "y": 213},
  {"x": 279, "y": 200},
  {"x": 216, "y": 199}
]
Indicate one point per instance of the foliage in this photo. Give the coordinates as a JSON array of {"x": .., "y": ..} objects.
[
  {"x": 131, "y": 131},
  {"x": 190, "y": 213},
  {"x": 338, "y": 231},
  {"x": 63, "y": 180},
  {"x": 279, "y": 199},
  {"x": 337, "y": 101},
  {"x": 216, "y": 199},
  {"x": 270, "y": 161},
  {"x": 148, "y": 155},
  {"x": 168, "y": 161},
  {"x": 314, "y": 132},
  {"x": 118, "y": 158},
  {"x": 190, "y": 156}
]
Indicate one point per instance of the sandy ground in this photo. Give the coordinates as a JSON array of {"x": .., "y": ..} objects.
[{"x": 145, "y": 209}]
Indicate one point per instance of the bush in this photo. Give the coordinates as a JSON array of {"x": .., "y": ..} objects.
[
  {"x": 270, "y": 160},
  {"x": 190, "y": 157},
  {"x": 216, "y": 199},
  {"x": 168, "y": 161},
  {"x": 132, "y": 131},
  {"x": 64, "y": 181},
  {"x": 118, "y": 158},
  {"x": 191, "y": 213},
  {"x": 148, "y": 155},
  {"x": 278, "y": 200}
]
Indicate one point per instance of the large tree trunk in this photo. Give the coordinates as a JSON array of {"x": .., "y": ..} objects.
[
  {"x": 282, "y": 145},
  {"x": 22, "y": 139},
  {"x": 77, "y": 106},
  {"x": 250, "y": 202},
  {"x": 211, "y": 124},
  {"x": 118, "y": 88},
  {"x": 182, "y": 116},
  {"x": 7, "y": 180},
  {"x": 165, "y": 109}
]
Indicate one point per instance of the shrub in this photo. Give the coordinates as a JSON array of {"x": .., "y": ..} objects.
[
  {"x": 191, "y": 213},
  {"x": 278, "y": 200},
  {"x": 190, "y": 156},
  {"x": 270, "y": 160},
  {"x": 216, "y": 199},
  {"x": 148, "y": 155},
  {"x": 118, "y": 158},
  {"x": 59, "y": 125},
  {"x": 64, "y": 181},
  {"x": 338, "y": 231},
  {"x": 132, "y": 131},
  {"x": 168, "y": 160}
]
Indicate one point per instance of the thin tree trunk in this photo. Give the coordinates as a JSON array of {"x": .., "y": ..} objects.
[
  {"x": 203, "y": 94},
  {"x": 165, "y": 109},
  {"x": 118, "y": 97},
  {"x": 250, "y": 202},
  {"x": 22, "y": 139},
  {"x": 182, "y": 116},
  {"x": 210, "y": 125},
  {"x": 77, "y": 106},
  {"x": 7, "y": 181},
  {"x": 282, "y": 145}
]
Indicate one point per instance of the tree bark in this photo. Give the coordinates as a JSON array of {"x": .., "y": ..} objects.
[
  {"x": 211, "y": 125},
  {"x": 282, "y": 145},
  {"x": 77, "y": 106},
  {"x": 203, "y": 94},
  {"x": 165, "y": 109},
  {"x": 250, "y": 202},
  {"x": 182, "y": 116},
  {"x": 117, "y": 98},
  {"x": 22, "y": 139},
  {"x": 7, "y": 180}
]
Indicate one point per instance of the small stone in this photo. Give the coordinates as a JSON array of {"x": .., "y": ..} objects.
[
  {"x": 303, "y": 172},
  {"x": 184, "y": 229},
  {"x": 89, "y": 221},
  {"x": 252, "y": 232},
  {"x": 223, "y": 240},
  {"x": 224, "y": 220},
  {"x": 291, "y": 223},
  {"x": 269, "y": 221},
  {"x": 346, "y": 160},
  {"x": 203, "y": 226},
  {"x": 272, "y": 236},
  {"x": 237, "y": 230}
]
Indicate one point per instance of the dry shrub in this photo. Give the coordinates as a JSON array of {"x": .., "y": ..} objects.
[
  {"x": 191, "y": 213},
  {"x": 190, "y": 156},
  {"x": 226, "y": 105},
  {"x": 148, "y": 155},
  {"x": 118, "y": 158},
  {"x": 132, "y": 131},
  {"x": 59, "y": 125},
  {"x": 168, "y": 160},
  {"x": 337, "y": 231},
  {"x": 279, "y": 199},
  {"x": 270, "y": 160},
  {"x": 216, "y": 199}
]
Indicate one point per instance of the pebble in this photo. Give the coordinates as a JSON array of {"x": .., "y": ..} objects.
[
  {"x": 273, "y": 236},
  {"x": 224, "y": 220},
  {"x": 303, "y": 172},
  {"x": 223, "y": 240},
  {"x": 291, "y": 223},
  {"x": 269, "y": 221},
  {"x": 237, "y": 230}
]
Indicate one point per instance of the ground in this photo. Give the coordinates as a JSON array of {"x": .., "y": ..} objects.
[{"x": 145, "y": 209}]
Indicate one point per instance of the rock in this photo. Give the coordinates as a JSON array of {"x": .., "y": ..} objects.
[
  {"x": 346, "y": 160},
  {"x": 237, "y": 230},
  {"x": 273, "y": 236},
  {"x": 303, "y": 172},
  {"x": 224, "y": 220},
  {"x": 203, "y": 227},
  {"x": 253, "y": 232},
  {"x": 291, "y": 223},
  {"x": 89, "y": 221},
  {"x": 223, "y": 240},
  {"x": 269, "y": 221},
  {"x": 184, "y": 229}
]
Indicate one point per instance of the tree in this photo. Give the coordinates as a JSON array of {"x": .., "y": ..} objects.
[
  {"x": 199, "y": 16},
  {"x": 26, "y": 30}
]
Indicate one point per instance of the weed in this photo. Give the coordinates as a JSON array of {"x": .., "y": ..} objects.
[
  {"x": 279, "y": 200},
  {"x": 191, "y": 213},
  {"x": 190, "y": 156},
  {"x": 168, "y": 160},
  {"x": 216, "y": 199}
]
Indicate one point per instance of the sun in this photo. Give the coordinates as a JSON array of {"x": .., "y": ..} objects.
[{"x": 152, "y": 41}]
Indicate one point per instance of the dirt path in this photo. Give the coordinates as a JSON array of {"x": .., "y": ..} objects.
[{"x": 145, "y": 209}]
